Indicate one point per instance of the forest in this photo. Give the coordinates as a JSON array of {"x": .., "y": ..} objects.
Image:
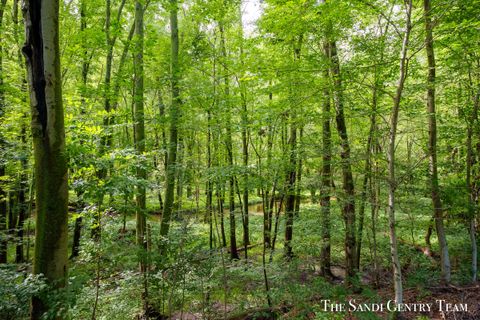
[{"x": 239, "y": 159}]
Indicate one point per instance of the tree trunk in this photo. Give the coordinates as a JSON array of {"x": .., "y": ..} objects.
[
  {"x": 298, "y": 187},
  {"x": 472, "y": 194},
  {"x": 246, "y": 233},
  {"x": 432, "y": 145},
  {"x": 290, "y": 188},
  {"x": 229, "y": 147},
  {"x": 174, "y": 120},
  {"x": 392, "y": 183},
  {"x": 139, "y": 120},
  {"x": 3, "y": 201},
  {"x": 209, "y": 185},
  {"x": 368, "y": 169},
  {"x": 22, "y": 204},
  {"x": 326, "y": 188},
  {"x": 51, "y": 188},
  {"x": 140, "y": 131},
  {"x": 77, "y": 231},
  {"x": 348, "y": 203}
]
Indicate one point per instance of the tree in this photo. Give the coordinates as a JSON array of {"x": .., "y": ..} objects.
[
  {"x": 432, "y": 144},
  {"x": 229, "y": 146},
  {"x": 175, "y": 113},
  {"x": 326, "y": 174},
  {"x": 42, "y": 55},
  {"x": 392, "y": 182},
  {"x": 348, "y": 203},
  {"x": 139, "y": 117},
  {"x": 3, "y": 194}
]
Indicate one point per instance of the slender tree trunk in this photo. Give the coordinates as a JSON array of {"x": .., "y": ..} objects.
[
  {"x": 77, "y": 231},
  {"x": 471, "y": 203},
  {"x": 368, "y": 171},
  {"x": 432, "y": 145},
  {"x": 245, "y": 138},
  {"x": 472, "y": 127},
  {"x": 298, "y": 187},
  {"x": 291, "y": 172},
  {"x": 270, "y": 201},
  {"x": 220, "y": 200},
  {"x": 140, "y": 133},
  {"x": 325, "y": 191},
  {"x": 22, "y": 204},
  {"x": 348, "y": 203},
  {"x": 3, "y": 202},
  {"x": 51, "y": 188},
  {"x": 229, "y": 147},
  {"x": 290, "y": 188},
  {"x": 246, "y": 233},
  {"x": 139, "y": 119},
  {"x": 392, "y": 182},
  {"x": 375, "y": 207},
  {"x": 209, "y": 191},
  {"x": 174, "y": 121}
]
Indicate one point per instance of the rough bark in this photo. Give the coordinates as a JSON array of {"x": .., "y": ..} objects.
[{"x": 43, "y": 64}]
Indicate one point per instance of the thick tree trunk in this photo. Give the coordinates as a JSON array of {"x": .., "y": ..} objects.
[
  {"x": 432, "y": 145},
  {"x": 174, "y": 120},
  {"x": 51, "y": 188},
  {"x": 392, "y": 183}
]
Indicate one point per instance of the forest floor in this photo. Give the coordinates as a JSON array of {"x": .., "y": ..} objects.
[{"x": 195, "y": 283}]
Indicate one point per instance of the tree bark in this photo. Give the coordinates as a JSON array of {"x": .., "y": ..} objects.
[
  {"x": 175, "y": 112},
  {"x": 229, "y": 147},
  {"x": 348, "y": 203},
  {"x": 139, "y": 114},
  {"x": 140, "y": 132},
  {"x": 392, "y": 183},
  {"x": 51, "y": 188},
  {"x": 432, "y": 146},
  {"x": 3, "y": 194},
  {"x": 472, "y": 130},
  {"x": 77, "y": 230},
  {"x": 290, "y": 191},
  {"x": 325, "y": 191}
]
